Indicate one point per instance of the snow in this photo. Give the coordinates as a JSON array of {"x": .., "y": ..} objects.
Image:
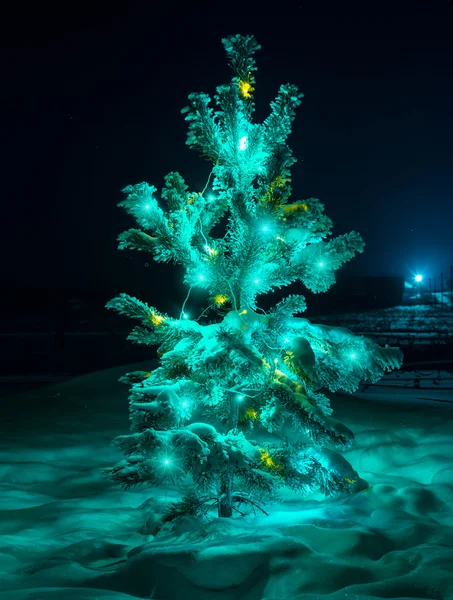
[{"x": 68, "y": 533}]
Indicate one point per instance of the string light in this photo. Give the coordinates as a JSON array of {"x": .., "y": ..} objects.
[
  {"x": 321, "y": 264},
  {"x": 220, "y": 299},
  {"x": 268, "y": 461},
  {"x": 156, "y": 319},
  {"x": 211, "y": 251},
  {"x": 251, "y": 413},
  {"x": 245, "y": 89},
  {"x": 243, "y": 143},
  {"x": 240, "y": 398}
]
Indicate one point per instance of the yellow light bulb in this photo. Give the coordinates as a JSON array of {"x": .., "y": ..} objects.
[
  {"x": 220, "y": 299},
  {"x": 156, "y": 319},
  {"x": 251, "y": 413},
  {"x": 245, "y": 89},
  {"x": 211, "y": 251}
]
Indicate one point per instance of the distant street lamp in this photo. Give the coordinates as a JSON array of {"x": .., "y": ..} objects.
[{"x": 418, "y": 281}]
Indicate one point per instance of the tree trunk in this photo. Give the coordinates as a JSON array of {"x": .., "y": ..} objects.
[
  {"x": 225, "y": 499},
  {"x": 226, "y": 479}
]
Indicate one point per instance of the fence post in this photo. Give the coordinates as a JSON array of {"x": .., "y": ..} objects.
[
  {"x": 441, "y": 289},
  {"x": 451, "y": 287}
]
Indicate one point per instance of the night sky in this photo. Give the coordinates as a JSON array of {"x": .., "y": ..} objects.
[{"x": 92, "y": 102}]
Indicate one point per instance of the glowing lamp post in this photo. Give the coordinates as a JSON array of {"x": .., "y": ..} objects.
[{"x": 418, "y": 281}]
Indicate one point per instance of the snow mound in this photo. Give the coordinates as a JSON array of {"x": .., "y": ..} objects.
[{"x": 66, "y": 532}]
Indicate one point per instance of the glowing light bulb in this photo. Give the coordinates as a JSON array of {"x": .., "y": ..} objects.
[
  {"x": 243, "y": 143},
  {"x": 352, "y": 355},
  {"x": 211, "y": 198},
  {"x": 286, "y": 340},
  {"x": 220, "y": 299},
  {"x": 260, "y": 168},
  {"x": 275, "y": 360},
  {"x": 147, "y": 206},
  {"x": 201, "y": 277},
  {"x": 419, "y": 278},
  {"x": 186, "y": 316},
  {"x": 156, "y": 319},
  {"x": 321, "y": 264},
  {"x": 240, "y": 398},
  {"x": 257, "y": 280},
  {"x": 184, "y": 403},
  {"x": 166, "y": 461},
  {"x": 265, "y": 228},
  {"x": 245, "y": 88}
]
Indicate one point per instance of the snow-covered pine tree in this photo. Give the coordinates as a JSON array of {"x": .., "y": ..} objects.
[{"x": 245, "y": 368}]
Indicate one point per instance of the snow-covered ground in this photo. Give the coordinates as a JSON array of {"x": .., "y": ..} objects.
[{"x": 66, "y": 533}]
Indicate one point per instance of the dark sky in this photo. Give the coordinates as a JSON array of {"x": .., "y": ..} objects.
[{"x": 92, "y": 103}]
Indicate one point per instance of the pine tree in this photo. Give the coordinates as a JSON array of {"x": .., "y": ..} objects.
[{"x": 244, "y": 369}]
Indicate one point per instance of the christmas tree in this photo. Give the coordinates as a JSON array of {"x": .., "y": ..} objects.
[{"x": 237, "y": 368}]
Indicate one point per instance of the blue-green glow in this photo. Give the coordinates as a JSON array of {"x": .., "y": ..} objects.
[
  {"x": 237, "y": 243},
  {"x": 419, "y": 278}
]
